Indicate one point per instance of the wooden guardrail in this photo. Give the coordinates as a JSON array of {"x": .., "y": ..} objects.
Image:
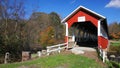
[{"x": 53, "y": 48}]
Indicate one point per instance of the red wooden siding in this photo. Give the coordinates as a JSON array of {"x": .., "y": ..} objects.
[
  {"x": 81, "y": 13},
  {"x": 103, "y": 42}
]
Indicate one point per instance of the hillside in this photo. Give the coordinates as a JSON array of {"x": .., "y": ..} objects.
[{"x": 66, "y": 60}]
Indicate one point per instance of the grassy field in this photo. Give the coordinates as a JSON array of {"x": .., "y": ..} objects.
[
  {"x": 115, "y": 43},
  {"x": 56, "y": 61},
  {"x": 114, "y": 46}
]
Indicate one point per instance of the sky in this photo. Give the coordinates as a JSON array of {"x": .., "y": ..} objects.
[{"x": 108, "y": 8}]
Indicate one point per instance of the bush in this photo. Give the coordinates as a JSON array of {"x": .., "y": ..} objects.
[
  {"x": 115, "y": 49},
  {"x": 113, "y": 64}
]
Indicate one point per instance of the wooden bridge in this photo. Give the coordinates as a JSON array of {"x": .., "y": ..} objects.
[{"x": 88, "y": 29}]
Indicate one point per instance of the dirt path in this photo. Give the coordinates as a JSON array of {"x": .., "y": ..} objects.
[{"x": 90, "y": 53}]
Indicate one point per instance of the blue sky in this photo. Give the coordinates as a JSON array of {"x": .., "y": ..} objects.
[{"x": 108, "y": 8}]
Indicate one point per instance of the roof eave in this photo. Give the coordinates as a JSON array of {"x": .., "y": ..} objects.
[{"x": 72, "y": 13}]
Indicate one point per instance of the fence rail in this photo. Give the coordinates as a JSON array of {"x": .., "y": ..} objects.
[{"x": 53, "y": 48}]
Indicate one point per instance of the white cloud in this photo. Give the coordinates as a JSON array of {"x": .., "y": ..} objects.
[{"x": 114, "y": 3}]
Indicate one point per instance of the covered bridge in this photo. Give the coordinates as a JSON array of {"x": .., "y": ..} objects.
[{"x": 87, "y": 27}]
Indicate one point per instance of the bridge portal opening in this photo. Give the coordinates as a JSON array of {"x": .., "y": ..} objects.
[
  {"x": 88, "y": 28},
  {"x": 85, "y": 34}
]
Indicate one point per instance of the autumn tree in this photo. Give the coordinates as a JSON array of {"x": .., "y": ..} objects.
[
  {"x": 37, "y": 23},
  {"x": 38, "y": 28},
  {"x": 114, "y": 30},
  {"x": 47, "y": 37}
]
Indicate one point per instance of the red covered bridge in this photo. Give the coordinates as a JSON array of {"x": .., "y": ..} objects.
[{"x": 87, "y": 27}]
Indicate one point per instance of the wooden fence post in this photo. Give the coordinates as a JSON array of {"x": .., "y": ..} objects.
[
  {"x": 59, "y": 48},
  {"x": 7, "y": 55},
  {"x": 48, "y": 51}
]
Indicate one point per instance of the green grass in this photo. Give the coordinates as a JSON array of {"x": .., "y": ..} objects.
[
  {"x": 66, "y": 61},
  {"x": 113, "y": 64},
  {"x": 116, "y": 43},
  {"x": 34, "y": 55}
]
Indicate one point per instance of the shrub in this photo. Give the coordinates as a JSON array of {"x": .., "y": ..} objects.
[{"x": 47, "y": 37}]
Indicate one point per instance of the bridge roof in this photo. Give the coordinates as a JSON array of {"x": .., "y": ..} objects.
[{"x": 81, "y": 8}]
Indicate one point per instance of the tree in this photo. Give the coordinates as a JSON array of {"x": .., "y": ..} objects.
[
  {"x": 11, "y": 27},
  {"x": 47, "y": 37},
  {"x": 114, "y": 30},
  {"x": 17, "y": 33},
  {"x": 56, "y": 23},
  {"x": 38, "y": 22},
  {"x": 38, "y": 28},
  {"x": 114, "y": 27}
]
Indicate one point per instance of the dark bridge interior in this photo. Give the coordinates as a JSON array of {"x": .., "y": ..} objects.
[{"x": 85, "y": 34}]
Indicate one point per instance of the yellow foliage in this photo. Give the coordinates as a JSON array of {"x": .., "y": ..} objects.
[
  {"x": 115, "y": 35},
  {"x": 47, "y": 37}
]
